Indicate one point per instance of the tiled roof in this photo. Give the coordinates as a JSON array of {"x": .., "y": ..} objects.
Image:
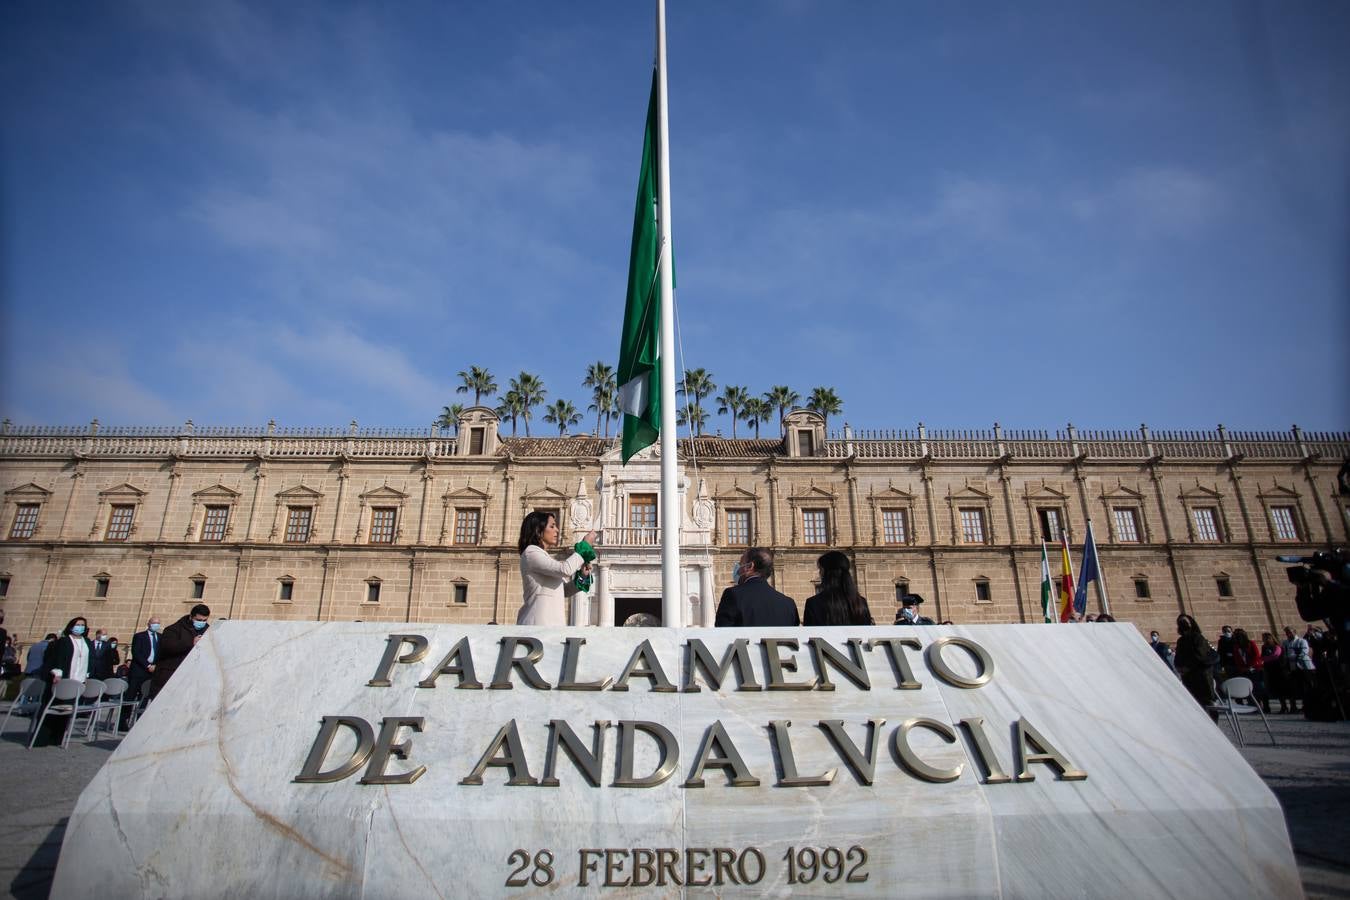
[
  {"x": 570, "y": 446},
  {"x": 585, "y": 445},
  {"x": 730, "y": 448}
]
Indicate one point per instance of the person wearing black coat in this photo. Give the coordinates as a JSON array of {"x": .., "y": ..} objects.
[
  {"x": 67, "y": 657},
  {"x": 177, "y": 642},
  {"x": 752, "y": 602},
  {"x": 838, "y": 602}
]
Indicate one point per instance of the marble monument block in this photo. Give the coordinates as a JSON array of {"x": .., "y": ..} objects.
[{"x": 334, "y": 760}]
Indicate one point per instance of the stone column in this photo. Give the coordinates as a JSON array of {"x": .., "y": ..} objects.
[
  {"x": 606, "y": 602},
  {"x": 259, "y": 478},
  {"x": 705, "y": 596}
]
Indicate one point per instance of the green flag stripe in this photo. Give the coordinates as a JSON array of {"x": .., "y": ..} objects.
[{"x": 638, "y": 374}]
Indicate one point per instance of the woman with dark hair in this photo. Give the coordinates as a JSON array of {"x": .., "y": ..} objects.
[
  {"x": 66, "y": 658},
  {"x": 1195, "y": 660},
  {"x": 541, "y": 576},
  {"x": 838, "y": 602}
]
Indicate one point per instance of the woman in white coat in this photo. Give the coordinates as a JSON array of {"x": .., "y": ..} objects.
[{"x": 542, "y": 576}]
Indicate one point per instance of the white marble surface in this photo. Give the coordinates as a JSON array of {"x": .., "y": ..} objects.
[{"x": 200, "y": 800}]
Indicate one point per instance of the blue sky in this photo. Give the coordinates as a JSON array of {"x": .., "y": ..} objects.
[{"x": 953, "y": 213}]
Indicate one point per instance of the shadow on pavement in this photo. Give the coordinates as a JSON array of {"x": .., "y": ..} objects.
[{"x": 34, "y": 881}]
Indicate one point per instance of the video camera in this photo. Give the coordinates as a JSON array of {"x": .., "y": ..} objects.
[{"x": 1323, "y": 584}]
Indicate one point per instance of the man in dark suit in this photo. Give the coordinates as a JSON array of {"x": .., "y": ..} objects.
[
  {"x": 751, "y": 602},
  {"x": 103, "y": 658},
  {"x": 144, "y": 652}
]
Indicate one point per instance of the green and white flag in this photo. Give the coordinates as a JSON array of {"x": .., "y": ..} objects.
[
  {"x": 639, "y": 374},
  {"x": 1047, "y": 586}
]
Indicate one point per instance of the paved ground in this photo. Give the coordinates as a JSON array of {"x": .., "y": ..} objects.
[{"x": 1309, "y": 770}]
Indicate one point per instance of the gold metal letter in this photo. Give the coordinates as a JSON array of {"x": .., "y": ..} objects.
[
  {"x": 670, "y": 754},
  {"x": 365, "y": 742},
  {"x": 864, "y": 769},
  {"x": 463, "y": 654},
  {"x": 855, "y": 670},
  {"x": 729, "y": 760},
  {"x": 895, "y": 649},
  {"x": 776, "y": 665},
  {"x": 911, "y": 760},
  {"x": 738, "y": 652},
  {"x": 940, "y": 668},
  {"x": 787, "y": 776},
  {"x": 392, "y": 645},
  {"x": 588, "y": 761},
  {"x": 506, "y": 659},
  {"x": 385, "y": 748},
  {"x": 651, "y": 669},
  {"x": 984, "y": 751},
  {"x": 508, "y": 737},
  {"x": 568, "y": 680},
  {"x": 1041, "y": 751}
]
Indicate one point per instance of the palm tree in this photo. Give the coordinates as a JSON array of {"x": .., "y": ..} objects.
[
  {"x": 478, "y": 380},
  {"x": 600, "y": 379},
  {"x": 733, "y": 401},
  {"x": 826, "y": 402},
  {"x": 450, "y": 416},
  {"x": 563, "y": 414},
  {"x": 530, "y": 389},
  {"x": 698, "y": 384},
  {"x": 509, "y": 407},
  {"x": 784, "y": 398},
  {"x": 756, "y": 410},
  {"x": 693, "y": 415}
]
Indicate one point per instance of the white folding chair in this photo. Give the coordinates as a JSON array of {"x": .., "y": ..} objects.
[
  {"x": 1238, "y": 692},
  {"x": 64, "y": 701},
  {"x": 113, "y": 700},
  {"x": 27, "y": 703},
  {"x": 88, "y": 706}
]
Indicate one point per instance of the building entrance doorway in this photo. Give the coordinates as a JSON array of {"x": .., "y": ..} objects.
[{"x": 631, "y": 606}]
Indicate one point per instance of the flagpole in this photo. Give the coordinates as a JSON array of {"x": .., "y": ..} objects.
[{"x": 672, "y": 592}]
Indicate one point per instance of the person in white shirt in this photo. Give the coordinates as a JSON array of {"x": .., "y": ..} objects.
[
  {"x": 542, "y": 576},
  {"x": 66, "y": 659}
]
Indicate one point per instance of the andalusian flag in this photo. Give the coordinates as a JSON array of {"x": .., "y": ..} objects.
[
  {"x": 1066, "y": 583},
  {"x": 1047, "y": 591},
  {"x": 639, "y": 375}
]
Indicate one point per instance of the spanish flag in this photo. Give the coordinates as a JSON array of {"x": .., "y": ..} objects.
[{"x": 1066, "y": 582}]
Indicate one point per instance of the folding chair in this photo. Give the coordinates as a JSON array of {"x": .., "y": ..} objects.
[
  {"x": 27, "y": 703},
  {"x": 64, "y": 701},
  {"x": 88, "y": 705},
  {"x": 114, "y": 698},
  {"x": 1235, "y": 690}
]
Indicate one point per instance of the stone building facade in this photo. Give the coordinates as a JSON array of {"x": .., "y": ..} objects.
[{"x": 407, "y": 526}]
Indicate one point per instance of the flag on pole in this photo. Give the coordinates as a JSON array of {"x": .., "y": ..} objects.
[
  {"x": 1065, "y": 583},
  {"x": 1091, "y": 571},
  {"x": 1046, "y": 589},
  {"x": 639, "y": 374}
]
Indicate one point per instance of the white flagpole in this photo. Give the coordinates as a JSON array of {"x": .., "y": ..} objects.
[{"x": 672, "y": 516}]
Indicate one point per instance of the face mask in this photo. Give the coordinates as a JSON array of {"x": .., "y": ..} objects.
[
  {"x": 113, "y": 645},
  {"x": 199, "y": 625},
  {"x": 736, "y": 573},
  {"x": 155, "y": 627},
  {"x": 77, "y": 629},
  {"x": 909, "y": 614}
]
